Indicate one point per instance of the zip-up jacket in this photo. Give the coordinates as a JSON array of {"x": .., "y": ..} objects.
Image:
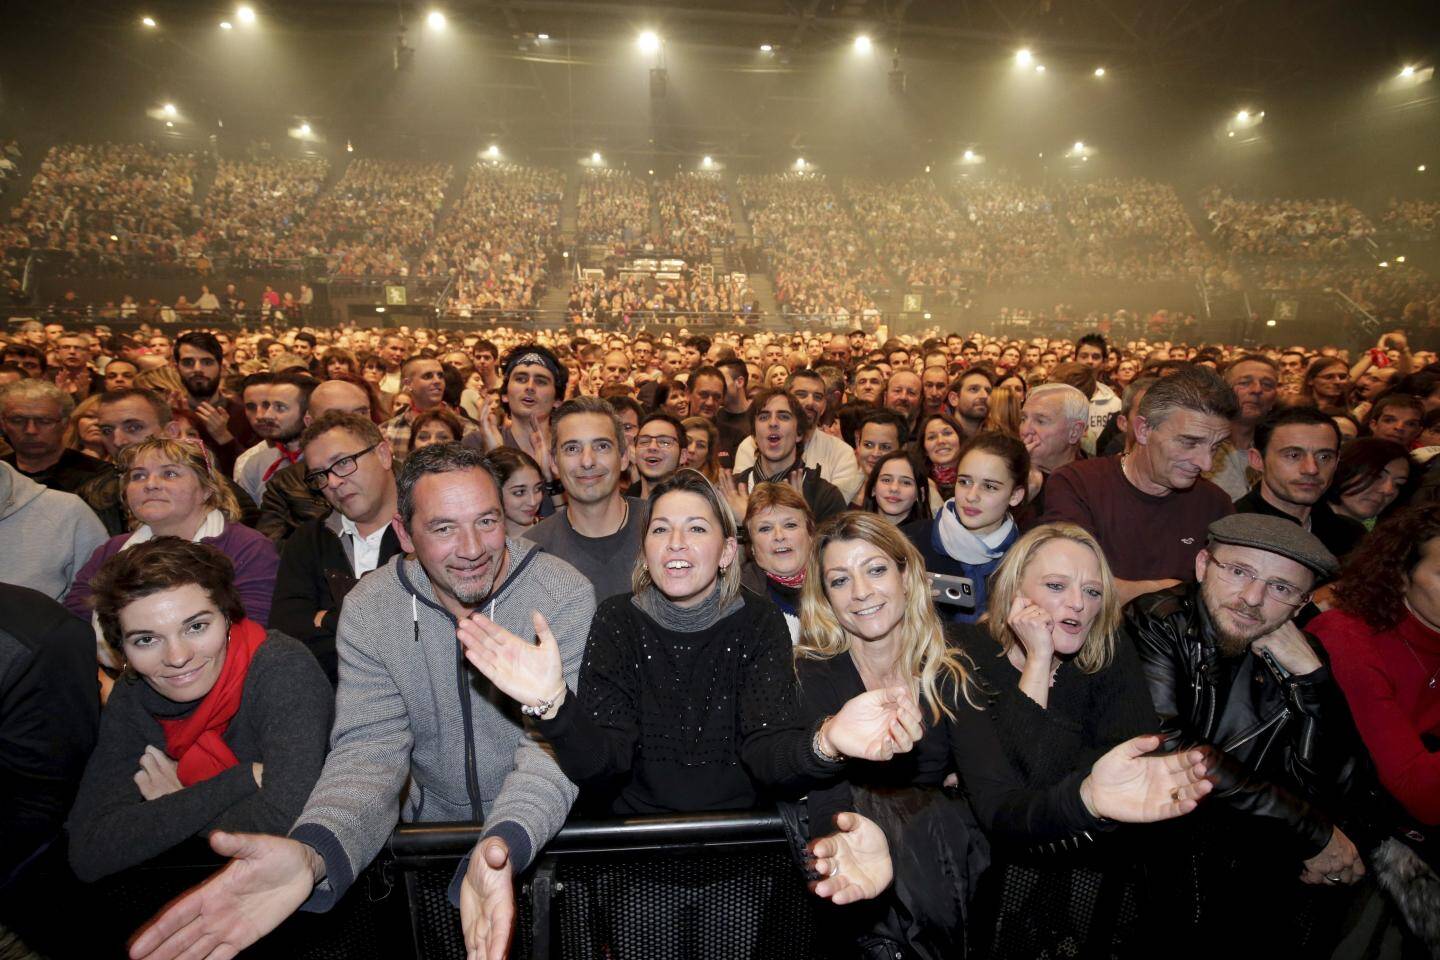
[{"x": 1281, "y": 739}]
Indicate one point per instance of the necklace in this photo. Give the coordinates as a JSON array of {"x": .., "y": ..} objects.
[{"x": 1434, "y": 678}]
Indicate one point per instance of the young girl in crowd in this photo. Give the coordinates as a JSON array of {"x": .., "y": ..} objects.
[
  {"x": 522, "y": 489},
  {"x": 894, "y": 490},
  {"x": 969, "y": 536},
  {"x": 940, "y": 441}
]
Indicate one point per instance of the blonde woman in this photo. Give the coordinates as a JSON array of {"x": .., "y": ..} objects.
[
  {"x": 1004, "y": 415},
  {"x": 171, "y": 489},
  {"x": 83, "y": 432},
  {"x": 1065, "y": 687},
  {"x": 867, "y": 623}
]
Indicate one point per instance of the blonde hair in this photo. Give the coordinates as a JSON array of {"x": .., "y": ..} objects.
[
  {"x": 88, "y": 407},
  {"x": 193, "y": 455},
  {"x": 690, "y": 480},
  {"x": 924, "y": 656},
  {"x": 163, "y": 380},
  {"x": 1004, "y": 415},
  {"x": 1098, "y": 650}
]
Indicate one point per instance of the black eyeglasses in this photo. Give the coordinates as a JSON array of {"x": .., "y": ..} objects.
[{"x": 318, "y": 480}]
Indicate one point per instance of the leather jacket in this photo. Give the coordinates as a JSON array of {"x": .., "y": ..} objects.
[
  {"x": 288, "y": 503},
  {"x": 1285, "y": 743}
]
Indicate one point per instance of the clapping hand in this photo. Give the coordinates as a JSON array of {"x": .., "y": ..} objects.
[
  {"x": 737, "y": 499},
  {"x": 875, "y": 725},
  {"x": 216, "y": 422},
  {"x": 1129, "y": 786},
  {"x": 853, "y": 863},
  {"x": 528, "y": 673}
]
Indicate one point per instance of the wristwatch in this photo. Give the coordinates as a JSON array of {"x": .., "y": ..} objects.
[{"x": 554, "y": 488}]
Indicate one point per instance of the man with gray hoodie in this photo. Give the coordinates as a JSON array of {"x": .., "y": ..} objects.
[
  {"x": 48, "y": 534},
  {"x": 409, "y": 708}
]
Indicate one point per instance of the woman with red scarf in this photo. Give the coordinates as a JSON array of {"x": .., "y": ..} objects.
[
  {"x": 779, "y": 526},
  {"x": 213, "y": 725}
]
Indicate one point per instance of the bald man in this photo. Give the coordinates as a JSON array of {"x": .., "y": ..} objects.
[{"x": 287, "y": 502}]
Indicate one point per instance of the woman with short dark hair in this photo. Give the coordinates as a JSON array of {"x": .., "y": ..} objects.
[{"x": 213, "y": 725}]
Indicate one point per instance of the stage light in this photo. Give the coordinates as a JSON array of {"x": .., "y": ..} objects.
[
  {"x": 799, "y": 163},
  {"x": 650, "y": 172},
  {"x": 1024, "y": 57},
  {"x": 862, "y": 44},
  {"x": 1400, "y": 259},
  {"x": 1039, "y": 68},
  {"x": 492, "y": 151},
  {"x": 225, "y": 25},
  {"x": 707, "y": 162},
  {"x": 595, "y": 157},
  {"x": 435, "y": 20},
  {"x": 169, "y": 109},
  {"x": 115, "y": 237},
  {"x": 1079, "y": 146},
  {"x": 1420, "y": 169},
  {"x": 1230, "y": 134},
  {"x": 349, "y": 147},
  {"x": 169, "y": 123},
  {"x": 927, "y": 168},
  {"x": 1099, "y": 71},
  {"x": 969, "y": 155},
  {"x": 648, "y": 41},
  {"x": 1384, "y": 263},
  {"x": 148, "y": 21},
  {"x": 245, "y": 13},
  {"x": 766, "y": 48},
  {"x": 542, "y": 36},
  {"x": 379, "y": 309},
  {"x": 1084, "y": 159},
  {"x": 1407, "y": 72},
  {"x": 1243, "y": 116},
  {"x": 304, "y": 129}
]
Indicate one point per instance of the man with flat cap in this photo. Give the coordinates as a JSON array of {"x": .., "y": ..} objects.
[{"x": 1228, "y": 668}]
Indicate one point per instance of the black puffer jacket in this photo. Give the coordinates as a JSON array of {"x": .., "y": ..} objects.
[{"x": 1286, "y": 744}]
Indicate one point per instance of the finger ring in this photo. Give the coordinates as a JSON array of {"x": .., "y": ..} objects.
[
  {"x": 1175, "y": 793},
  {"x": 834, "y": 869},
  {"x": 1332, "y": 879}
]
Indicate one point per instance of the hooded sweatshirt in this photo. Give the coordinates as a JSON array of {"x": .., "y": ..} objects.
[{"x": 48, "y": 535}]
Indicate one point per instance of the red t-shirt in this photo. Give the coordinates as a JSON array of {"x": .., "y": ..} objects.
[{"x": 1144, "y": 537}]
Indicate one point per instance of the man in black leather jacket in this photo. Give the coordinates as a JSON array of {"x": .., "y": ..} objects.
[{"x": 1227, "y": 667}]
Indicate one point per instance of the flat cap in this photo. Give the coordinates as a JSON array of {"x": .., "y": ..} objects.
[{"x": 1275, "y": 535}]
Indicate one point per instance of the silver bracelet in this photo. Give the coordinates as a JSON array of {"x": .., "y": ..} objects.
[
  {"x": 541, "y": 708},
  {"x": 816, "y": 749}
]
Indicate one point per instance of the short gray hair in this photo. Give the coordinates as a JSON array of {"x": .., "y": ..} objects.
[
  {"x": 31, "y": 391},
  {"x": 437, "y": 458},
  {"x": 1197, "y": 389},
  {"x": 578, "y": 405},
  {"x": 1073, "y": 404}
]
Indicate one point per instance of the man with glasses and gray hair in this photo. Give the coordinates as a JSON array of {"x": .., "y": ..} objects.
[
  {"x": 1227, "y": 667},
  {"x": 350, "y": 464}
]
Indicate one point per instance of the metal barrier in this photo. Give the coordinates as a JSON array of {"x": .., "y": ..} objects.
[{"x": 686, "y": 885}]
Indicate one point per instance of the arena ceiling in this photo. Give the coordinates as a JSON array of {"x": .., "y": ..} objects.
[{"x": 1173, "y": 70}]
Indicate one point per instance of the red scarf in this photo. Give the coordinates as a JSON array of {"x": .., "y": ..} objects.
[
  {"x": 287, "y": 456},
  {"x": 944, "y": 476},
  {"x": 795, "y": 581},
  {"x": 195, "y": 741}
]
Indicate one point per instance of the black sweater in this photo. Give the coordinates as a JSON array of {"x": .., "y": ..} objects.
[
  {"x": 1088, "y": 713},
  {"x": 967, "y": 745},
  {"x": 674, "y": 721},
  {"x": 283, "y": 723}
]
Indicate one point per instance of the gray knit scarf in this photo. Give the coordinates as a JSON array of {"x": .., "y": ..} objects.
[{"x": 669, "y": 615}]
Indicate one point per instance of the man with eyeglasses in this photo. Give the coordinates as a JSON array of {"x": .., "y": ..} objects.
[
  {"x": 347, "y": 462},
  {"x": 659, "y": 444},
  {"x": 1228, "y": 668},
  {"x": 34, "y": 414}
]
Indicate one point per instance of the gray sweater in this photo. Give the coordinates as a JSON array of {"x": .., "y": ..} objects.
[
  {"x": 284, "y": 714},
  {"x": 399, "y": 716}
]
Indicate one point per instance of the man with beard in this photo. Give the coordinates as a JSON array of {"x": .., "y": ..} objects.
[
  {"x": 275, "y": 404},
  {"x": 934, "y": 386},
  {"x": 415, "y": 738},
  {"x": 1228, "y": 668},
  {"x": 600, "y": 529},
  {"x": 1256, "y": 383},
  {"x": 199, "y": 358},
  {"x": 969, "y": 399}
]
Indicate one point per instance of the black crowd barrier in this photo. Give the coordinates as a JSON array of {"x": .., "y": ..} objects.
[{"x": 696, "y": 885}]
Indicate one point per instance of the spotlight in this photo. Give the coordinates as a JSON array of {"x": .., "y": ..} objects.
[
  {"x": 1243, "y": 116},
  {"x": 349, "y": 147},
  {"x": 1420, "y": 169},
  {"x": 1230, "y": 134},
  {"x": 542, "y": 36},
  {"x": 1084, "y": 159},
  {"x": 707, "y": 162},
  {"x": 1384, "y": 263},
  {"x": 1400, "y": 259},
  {"x": 435, "y": 20},
  {"x": 148, "y": 21},
  {"x": 595, "y": 157},
  {"x": 226, "y": 25},
  {"x": 1099, "y": 71},
  {"x": 169, "y": 109},
  {"x": 169, "y": 123},
  {"x": 492, "y": 151},
  {"x": 304, "y": 129},
  {"x": 927, "y": 168},
  {"x": 1024, "y": 57},
  {"x": 799, "y": 163},
  {"x": 1079, "y": 146},
  {"x": 245, "y": 13},
  {"x": 969, "y": 155},
  {"x": 766, "y": 48},
  {"x": 648, "y": 41},
  {"x": 650, "y": 172},
  {"x": 379, "y": 309},
  {"x": 1039, "y": 68},
  {"x": 1407, "y": 72},
  {"x": 862, "y": 44},
  {"x": 115, "y": 237}
]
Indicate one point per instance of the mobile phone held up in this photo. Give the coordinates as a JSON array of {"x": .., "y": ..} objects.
[{"x": 948, "y": 591}]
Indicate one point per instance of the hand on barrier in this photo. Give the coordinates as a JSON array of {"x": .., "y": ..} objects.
[
  {"x": 487, "y": 901},
  {"x": 265, "y": 881},
  {"x": 854, "y": 863},
  {"x": 528, "y": 673},
  {"x": 875, "y": 725},
  {"x": 1338, "y": 863},
  {"x": 1128, "y": 786}
]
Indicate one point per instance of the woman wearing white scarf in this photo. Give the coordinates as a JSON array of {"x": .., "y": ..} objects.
[{"x": 973, "y": 530}]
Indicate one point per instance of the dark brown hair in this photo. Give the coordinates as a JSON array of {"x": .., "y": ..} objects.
[
  {"x": 1372, "y": 582},
  {"x": 161, "y": 564}
]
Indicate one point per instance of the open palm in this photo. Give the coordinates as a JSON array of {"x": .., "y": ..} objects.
[
  {"x": 854, "y": 863},
  {"x": 876, "y": 725},
  {"x": 1127, "y": 785},
  {"x": 526, "y": 672},
  {"x": 487, "y": 901}
]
